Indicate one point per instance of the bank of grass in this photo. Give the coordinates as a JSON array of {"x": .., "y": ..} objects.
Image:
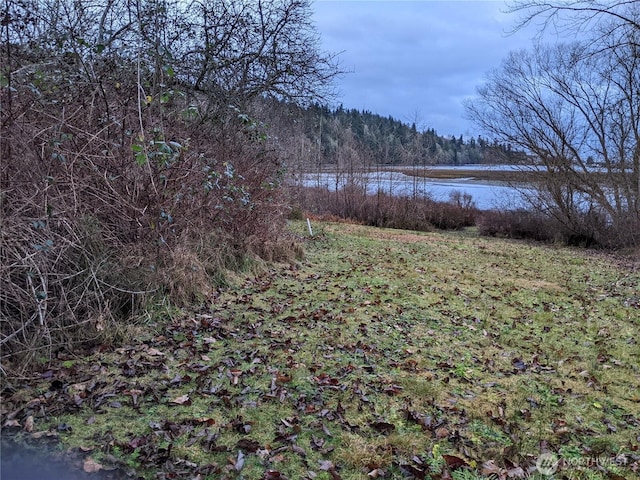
[
  {"x": 523, "y": 175},
  {"x": 383, "y": 353}
]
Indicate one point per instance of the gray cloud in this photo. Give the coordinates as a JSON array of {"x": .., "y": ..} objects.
[{"x": 416, "y": 59}]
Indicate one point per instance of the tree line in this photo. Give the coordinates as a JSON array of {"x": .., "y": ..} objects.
[{"x": 316, "y": 137}]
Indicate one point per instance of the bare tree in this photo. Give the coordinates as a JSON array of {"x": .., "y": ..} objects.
[
  {"x": 575, "y": 15},
  {"x": 576, "y": 108},
  {"x": 236, "y": 49}
]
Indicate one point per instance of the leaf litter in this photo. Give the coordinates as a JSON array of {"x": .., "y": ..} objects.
[{"x": 381, "y": 355}]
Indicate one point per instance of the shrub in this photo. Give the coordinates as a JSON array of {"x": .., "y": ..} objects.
[
  {"x": 521, "y": 224},
  {"x": 582, "y": 229},
  {"x": 385, "y": 210},
  {"x": 96, "y": 214}
]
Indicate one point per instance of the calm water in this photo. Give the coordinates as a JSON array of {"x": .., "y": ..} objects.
[{"x": 486, "y": 195}]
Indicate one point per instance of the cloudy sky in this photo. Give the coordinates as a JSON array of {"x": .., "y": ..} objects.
[{"x": 417, "y": 60}]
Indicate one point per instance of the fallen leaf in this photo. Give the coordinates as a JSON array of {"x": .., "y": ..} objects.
[
  {"x": 239, "y": 461},
  {"x": 324, "y": 379},
  {"x": 454, "y": 462},
  {"x": 383, "y": 427},
  {"x": 446, "y": 475},
  {"x": 490, "y": 468},
  {"x": 28, "y": 424},
  {"x": 182, "y": 400},
  {"x": 376, "y": 473},
  {"x": 137, "y": 442},
  {"x": 91, "y": 466},
  {"x": 393, "y": 390},
  {"x": 240, "y": 426},
  {"x": 326, "y": 465},
  {"x": 516, "y": 472},
  {"x": 519, "y": 364},
  {"x": 64, "y": 427},
  {"x": 299, "y": 450},
  {"x": 206, "y": 420},
  {"x": 248, "y": 445},
  {"x": 273, "y": 475}
]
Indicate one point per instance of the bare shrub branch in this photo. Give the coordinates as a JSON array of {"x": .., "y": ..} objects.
[{"x": 132, "y": 161}]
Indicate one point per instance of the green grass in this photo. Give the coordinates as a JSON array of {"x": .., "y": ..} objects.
[{"x": 381, "y": 348}]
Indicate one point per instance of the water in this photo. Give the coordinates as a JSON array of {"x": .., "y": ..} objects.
[{"x": 486, "y": 195}]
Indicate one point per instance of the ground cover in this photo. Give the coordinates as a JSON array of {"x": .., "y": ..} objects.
[{"x": 383, "y": 354}]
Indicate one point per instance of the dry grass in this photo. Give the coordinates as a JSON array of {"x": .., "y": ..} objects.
[{"x": 365, "y": 454}]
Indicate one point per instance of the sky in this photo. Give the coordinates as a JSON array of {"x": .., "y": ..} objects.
[{"x": 417, "y": 60}]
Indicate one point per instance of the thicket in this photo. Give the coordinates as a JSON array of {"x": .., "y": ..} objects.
[
  {"x": 133, "y": 162},
  {"x": 421, "y": 213}
]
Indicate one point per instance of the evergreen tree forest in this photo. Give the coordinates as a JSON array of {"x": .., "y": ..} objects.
[{"x": 318, "y": 137}]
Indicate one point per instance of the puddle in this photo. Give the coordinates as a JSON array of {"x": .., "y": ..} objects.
[{"x": 44, "y": 462}]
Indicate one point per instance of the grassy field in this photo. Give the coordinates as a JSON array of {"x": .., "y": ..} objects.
[{"x": 383, "y": 354}]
